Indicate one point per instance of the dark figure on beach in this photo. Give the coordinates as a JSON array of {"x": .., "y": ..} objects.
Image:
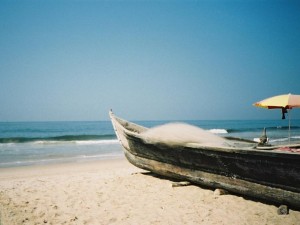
[{"x": 263, "y": 138}]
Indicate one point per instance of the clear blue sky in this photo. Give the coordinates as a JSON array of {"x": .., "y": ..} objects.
[{"x": 74, "y": 60}]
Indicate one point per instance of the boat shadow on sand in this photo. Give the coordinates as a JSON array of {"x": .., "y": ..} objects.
[{"x": 183, "y": 183}]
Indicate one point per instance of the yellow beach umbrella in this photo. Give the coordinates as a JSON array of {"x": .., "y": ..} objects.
[
  {"x": 283, "y": 102},
  {"x": 287, "y": 101}
]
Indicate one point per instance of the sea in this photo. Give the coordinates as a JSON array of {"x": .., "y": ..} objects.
[{"x": 39, "y": 143}]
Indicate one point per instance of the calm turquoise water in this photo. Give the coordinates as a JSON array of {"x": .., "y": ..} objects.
[{"x": 28, "y": 143}]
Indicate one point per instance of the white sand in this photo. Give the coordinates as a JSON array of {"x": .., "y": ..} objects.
[{"x": 115, "y": 192}]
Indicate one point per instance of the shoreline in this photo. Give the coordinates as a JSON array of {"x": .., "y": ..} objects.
[
  {"x": 63, "y": 162},
  {"x": 57, "y": 167},
  {"x": 115, "y": 192}
]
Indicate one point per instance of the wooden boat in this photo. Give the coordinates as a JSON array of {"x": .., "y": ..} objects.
[{"x": 266, "y": 173}]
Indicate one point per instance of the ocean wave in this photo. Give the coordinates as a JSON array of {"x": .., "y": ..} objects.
[
  {"x": 279, "y": 140},
  {"x": 284, "y": 139},
  {"x": 218, "y": 131},
  {"x": 259, "y": 129},
  {"x": 57, "y": 139},
  {"x": 87, "y": 142},
  {"x": 283, "y": 128}
]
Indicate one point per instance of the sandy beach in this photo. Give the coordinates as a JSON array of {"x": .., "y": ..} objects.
[{"x": 115, "y": 192}]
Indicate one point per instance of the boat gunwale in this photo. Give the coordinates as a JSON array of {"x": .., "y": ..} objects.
[
  {"x": 258, "y": 150},
  {"x": 197, "y": 146}
]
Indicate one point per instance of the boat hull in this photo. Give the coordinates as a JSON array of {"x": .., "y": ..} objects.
[{"x": 210, "y": 180}]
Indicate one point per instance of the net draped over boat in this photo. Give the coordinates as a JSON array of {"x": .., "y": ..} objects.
[{"x": 182, "y": 134}]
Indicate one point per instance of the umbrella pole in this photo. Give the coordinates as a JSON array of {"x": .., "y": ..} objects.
[{"x": 289, "y": 125}]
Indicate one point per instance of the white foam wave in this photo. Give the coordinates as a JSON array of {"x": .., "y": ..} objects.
[
  {"x": 61, "y": 160},
  {"x": 86, "y": 142},
  {"x": 97, "y": 142},
  {"x": 218, "y": 131},
  {"x": 279, "y": 140},
  {"x": 46, "y": 142},
  {"x": 99, "y": 156},
  {"x": 7, "y": 144}
]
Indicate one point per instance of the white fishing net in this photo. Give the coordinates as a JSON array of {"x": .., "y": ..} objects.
[{"x": 182, "y": 134}]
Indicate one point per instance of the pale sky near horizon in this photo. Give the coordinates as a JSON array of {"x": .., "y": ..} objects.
[{"x": 147, "y": 60}]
